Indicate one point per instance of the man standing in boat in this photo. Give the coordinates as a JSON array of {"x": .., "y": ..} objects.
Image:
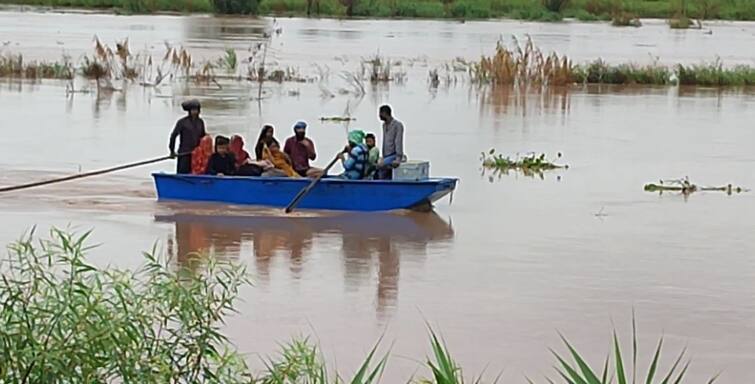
[
  {"x": 393, "y": 143},
  {"x": 190, "y": 129}
]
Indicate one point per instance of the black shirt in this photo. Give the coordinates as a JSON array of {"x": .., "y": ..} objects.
[
  {"x": 190, "y": 130},
  {"x": 225, "y": 164}
]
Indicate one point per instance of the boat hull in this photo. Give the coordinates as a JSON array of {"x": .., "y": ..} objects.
[{"x": 329, "y": 193}]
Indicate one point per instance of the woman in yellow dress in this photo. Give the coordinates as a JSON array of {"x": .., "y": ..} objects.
[{"x": 280, "y": 160}]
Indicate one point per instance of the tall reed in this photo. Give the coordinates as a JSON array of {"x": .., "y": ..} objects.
[{"x": 522, "y": 67}]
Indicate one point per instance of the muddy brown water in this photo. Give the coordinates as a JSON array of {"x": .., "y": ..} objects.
[{"x": 498, "y": 271}]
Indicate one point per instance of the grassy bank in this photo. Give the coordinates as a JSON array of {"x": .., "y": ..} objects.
[
  {"x": 545, "y": 10},
  {"x": 124, "y": 6},
  {"x": 66, "y": 320}
]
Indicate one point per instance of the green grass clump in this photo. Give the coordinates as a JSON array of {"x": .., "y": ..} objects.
[
  {"x": 14, "y": 66},
  {"x": 600, "y": 72},
  {"x": 471, "y": 9},
  {"x": 420, "y": 9},
  {"x": 616, "y": 367},
  {"x": 300, "y": 361},
  {"x": 714, "y": 74}
]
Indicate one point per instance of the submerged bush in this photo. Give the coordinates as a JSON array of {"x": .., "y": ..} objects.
[
  {"x": 15, "y": 66},
  {"x": 470, "y": 9},
  {"x": 714, "y": 74},
  {"x": 66, "y": 320},
  {"x": 555, "y": 5},
  {"x": 235, "y": 6},
  {"x": 600, "y": 72},
  {"x": 625, "y": 19}
]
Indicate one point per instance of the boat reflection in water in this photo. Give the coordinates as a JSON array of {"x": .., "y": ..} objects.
[{"x": 368, "y": 242}]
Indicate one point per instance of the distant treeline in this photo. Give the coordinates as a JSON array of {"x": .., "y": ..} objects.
[{"x": 547, "y": 10}]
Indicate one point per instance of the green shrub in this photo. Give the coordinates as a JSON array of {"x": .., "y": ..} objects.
[
  {"x": 714, "y": 74},
  {"x": 470, "y": 9},
  {"x": 283, "y": 6},
  {"x": 332, "y": 8},
  {"x": 65, "y": 320},
  {"x": 373, "y": 8},
  {"x": 422, "y": 9},
  {"x": 244, "y": 7},
  {"x": 555, "y": 6},
  {"x": 625, "y": 19},
  {"x": 582, "y": 15}
]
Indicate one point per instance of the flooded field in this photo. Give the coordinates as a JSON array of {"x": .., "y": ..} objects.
[{"x": 511, "y": 260}]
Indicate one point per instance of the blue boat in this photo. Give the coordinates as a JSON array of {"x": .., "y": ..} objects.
[{"x": 329, "y": 193}]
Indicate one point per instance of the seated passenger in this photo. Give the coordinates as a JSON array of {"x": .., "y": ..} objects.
[
  {"x": 244, "y": 164},
  {"x": 301, "y": 149},
  {"x": 355, "y": 157},
  {"x": 267, "y": 137},
  {"x": 222, "y": 162},
  {"x": 280, "y": 160},
  {"x": 374, "y": 154},
  {"x": 200, "y": 156}
]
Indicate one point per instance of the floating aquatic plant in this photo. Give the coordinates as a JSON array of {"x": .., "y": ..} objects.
[
  {"x": 685, "y": 187},
  {"x": 530, "y": 163}
]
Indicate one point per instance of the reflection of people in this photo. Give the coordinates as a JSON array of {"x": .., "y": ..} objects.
[
  {"x": 195, "y": 237},
  {"x": 358, "y": 253},
  {"x": 190, "y": 129},
  {"x": 367, "y": 245},
  {"x": 388, "y": 275}
]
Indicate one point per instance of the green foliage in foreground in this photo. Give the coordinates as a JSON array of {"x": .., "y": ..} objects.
[
  {"x": 541, "y": 10},
  {"x": 616, "y": 367},
  {"x": 64, "y": 320}
]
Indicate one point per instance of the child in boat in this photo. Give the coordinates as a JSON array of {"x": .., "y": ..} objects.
[
  {"x": 222, "y": 162},
  {"x": 200, "y": 156},
  {"x": 354, "y": 157},
  {"x": 373, "y": 155},
  {"x": 280, "y": 160}
]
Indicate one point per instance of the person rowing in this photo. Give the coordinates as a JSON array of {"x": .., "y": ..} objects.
[{"x": 190, "y": 129}]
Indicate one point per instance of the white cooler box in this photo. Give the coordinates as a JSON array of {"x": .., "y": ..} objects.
[{"x": 412, "y": 171}]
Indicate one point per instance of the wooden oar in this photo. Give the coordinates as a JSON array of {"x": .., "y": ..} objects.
[
  {"x": 311, "y": 185},
  {"x": 86, "y": 174}
]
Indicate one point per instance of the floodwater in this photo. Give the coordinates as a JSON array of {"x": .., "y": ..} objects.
[{"x": 499, "y": 270}]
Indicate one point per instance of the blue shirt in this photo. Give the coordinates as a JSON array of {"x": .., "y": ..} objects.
[{"x": 355, "y": 163}]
